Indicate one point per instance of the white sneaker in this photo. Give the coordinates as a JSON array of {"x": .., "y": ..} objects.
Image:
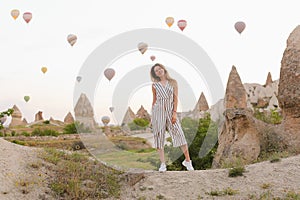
[
  {"x": 162, "y": 167},
  {"x": 188, "y": 165}
]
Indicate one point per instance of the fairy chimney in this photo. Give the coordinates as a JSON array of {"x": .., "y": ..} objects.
[
  {"x": 84, "y": 112},
  {"x": 69, "y": 119},
  {"x": 269, "y": 80},
  {"x": 142, "y": 113},
  {"x": 16, "y": 117},
  {"x": 38, "y": 116},
  {"x": 289, "y": 90},
  {"x": 239, "y": 136},
  {"x": 128, "y": 117},
  {"x": 236, "y": 96},
  {"x": 202, "y": 104}
]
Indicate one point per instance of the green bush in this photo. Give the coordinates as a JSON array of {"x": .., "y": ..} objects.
[
  {"x": 236, "y": 171},
  {"x": 25, "y": 133},
  {"x": 274, "y": 117},
  {"x": 196, "y": 132},
  {"x": 138, "y": 124},
  {"x": 141, "y": 122},
  {"x": 46, "y": 132},
  {"x": 76, "y": 127},
  {"x": 46, "y": 122}
]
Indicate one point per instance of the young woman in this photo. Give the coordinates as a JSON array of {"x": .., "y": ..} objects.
[{"x": 164, "y": 115}]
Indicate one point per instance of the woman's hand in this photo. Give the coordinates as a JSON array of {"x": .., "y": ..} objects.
[{"x": 174, "y": 117}]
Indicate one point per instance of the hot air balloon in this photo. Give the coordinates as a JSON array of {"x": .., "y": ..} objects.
[
  {"x": 111, "y": 109},
  {"x": 78, "y": 78},
  {"x": 105, "y": 120},
  {"x": 44, "y": 69},
  {"x": 109, "y": 73},
  {"x": 169, "y": 21},
  {"x": 142, "y": 47},
  {"x": 27, "y": 16},
  {"x": 239, "y": 26},
  {"x": 26, "y": 98},
  {"x": 152, "y": 58},
  {"x": 181, "y": 24},
  {"x": 15, "y": 13},
  {"x": 72, "y": 39}
]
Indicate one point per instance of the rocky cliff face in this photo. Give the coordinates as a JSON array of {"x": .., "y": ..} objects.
[
  {"x": 38, "y": 116},
  {"x": 69, "y": 119},
  {"x": 239, "y": 137},
  {"x": 129, "y": 116},
  {"x": 289, "y": 89},
  {"x": 84, "y": 112},
  {"x": 142, "y": 113},
  {"x": 16, "y": 117}
]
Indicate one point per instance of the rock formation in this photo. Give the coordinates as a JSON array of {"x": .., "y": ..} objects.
[
  {"x": 202, "y": 104},
  {"x": 16, "y": 117},
  {"x": 69, "y": 119},
  {"x": 289, "y": 90},
  {"x": 236, "y": 96},
  {"x": 259, "y": 95},
  {"x": 38, "y": 116},
  {"x": 269, "y": 80},
  {"x": 238, "y": 138},
  {"x": 84, "y": 112},
  {"x": 128, "y": 117},
  {"x": 142, "y": 113}
]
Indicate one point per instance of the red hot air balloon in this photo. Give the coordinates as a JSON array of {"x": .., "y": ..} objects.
[
  {"x": 181, "y": 24},
  {"x": 109, "y": 73},
  {"x": 27, "y": 16},
  {"x": 239, "y": 26},
  {"x": 152, "y": 58}
]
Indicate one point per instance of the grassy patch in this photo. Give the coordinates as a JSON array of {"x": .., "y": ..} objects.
[
  {"x": 127, "y": 159},
  {"x": 78, "y": 177},
  {"x": 265, "y": 186},
  {"x": 236, "y": 171},
  {"x": 226, "y": 191}
]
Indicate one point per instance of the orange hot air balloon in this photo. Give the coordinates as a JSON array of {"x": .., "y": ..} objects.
[
  {"x": 152, "y": 58},
  {"x": 44, "y": 69},
  {"x": 181, "y": 24},
  {"x": 15, "y": 13},
  {"x": 239, "y": 26},
  {"x": 109, "y": 73},
  {"x": 27, "y": 16},
  {"x": 72, "y": 39},
  {"x": 105, "y": 120},
  {"x": 142, "y": 47},
  {"x": 169, "y": 21}
]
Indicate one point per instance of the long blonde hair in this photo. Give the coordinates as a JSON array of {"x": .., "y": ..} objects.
[{"x": 155, "y": 78}]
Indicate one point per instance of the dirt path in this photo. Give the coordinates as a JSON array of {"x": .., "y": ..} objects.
[
  {"x": 261, "y": 180},
  {"x": 21, "y": 173}
]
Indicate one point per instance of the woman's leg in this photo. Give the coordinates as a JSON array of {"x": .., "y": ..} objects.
[
  {"x": 185, "y": 151},
  {"x": 161, "y": 154}
]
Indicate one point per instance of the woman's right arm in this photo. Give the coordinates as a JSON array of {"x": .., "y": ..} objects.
[{"x": 154, "y": 95}]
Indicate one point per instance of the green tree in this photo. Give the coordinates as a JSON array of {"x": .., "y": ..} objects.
[
  {"x": 5, "y": 113},
  {"x": 196, "y": 133}
]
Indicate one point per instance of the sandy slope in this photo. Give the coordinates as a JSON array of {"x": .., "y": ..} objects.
[
  {"x": 280, "y": 178},
  {"x": 18, "y": 179}
]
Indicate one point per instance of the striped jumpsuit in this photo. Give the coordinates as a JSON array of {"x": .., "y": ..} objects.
[{"x": 162, "y": 115}]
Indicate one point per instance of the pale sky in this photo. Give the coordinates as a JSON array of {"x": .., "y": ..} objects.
[{"x": 25, "y": 48}]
